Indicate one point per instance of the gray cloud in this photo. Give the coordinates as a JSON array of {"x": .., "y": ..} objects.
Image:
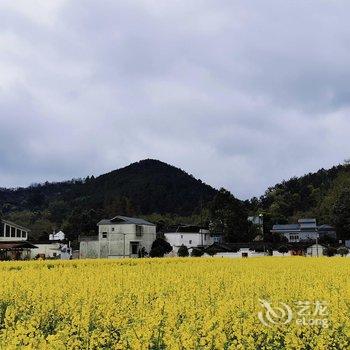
[{"x": 241, "y": 94}]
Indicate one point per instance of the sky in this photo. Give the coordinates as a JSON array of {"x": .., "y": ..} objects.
[{"x": 241, "y": 94}]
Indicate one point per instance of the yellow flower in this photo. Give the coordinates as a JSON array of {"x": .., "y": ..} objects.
[{"x": 174, "y": 303}]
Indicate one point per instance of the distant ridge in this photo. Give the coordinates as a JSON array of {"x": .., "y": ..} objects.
[{"x": 148, "y": 186}]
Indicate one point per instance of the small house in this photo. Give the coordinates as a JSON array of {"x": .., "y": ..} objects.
[
  {"x": 304, "y": 230},
  {"x": 119, "y": 237},
  {"x": 56, "y": 247},
  {"x": 189, "y": 235},
  {"x": 315, "y": 250}
]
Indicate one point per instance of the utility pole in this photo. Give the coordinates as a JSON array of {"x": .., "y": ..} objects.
[
  {"x": 124, "y": 244},
  {"x": 261, "y": 223},
  {"x": 201, "y": 221}
]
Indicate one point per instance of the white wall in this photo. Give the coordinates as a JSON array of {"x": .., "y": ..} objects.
[
  {"x": 47, "y": 249},
  {"x": 277, "y": 253},
  {"x": 315, "y": 250},
  {"x": 118, "y": 241},
  {"x": 238, "y": 254},
  {"x": 190, "y": 240}
]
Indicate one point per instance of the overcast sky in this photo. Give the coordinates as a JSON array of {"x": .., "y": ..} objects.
[{"x": 241, "y": 94}]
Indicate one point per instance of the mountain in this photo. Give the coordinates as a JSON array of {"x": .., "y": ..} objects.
[
  {"x": 167, "y": 195},
  {"x": 146, "y": 187}
]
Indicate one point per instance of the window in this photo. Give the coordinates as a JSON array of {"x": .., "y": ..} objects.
[
  {"x": 112, "y": 229},
  {"x": 24, "y": 234},
  {"x": 190, "y": 241},
  {"x": 8, "y": 229},
  {"x": 138, "y": 230},
  {"x": 294, "y": 237},
  {"x": 134, "y": 248},
  {"x": 2, "y": 229},
  {"x": 18, "y": 233},
  {"x": 104, "y": 234},
  {"x": 182, "y": 236},
  {"x": 13, "y": 232}
]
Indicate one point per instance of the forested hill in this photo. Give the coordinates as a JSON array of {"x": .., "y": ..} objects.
[
  {"x": 323, "y": 195},
  {"x": 146, "y": 187},
  {"x": 167, "y": 195}
]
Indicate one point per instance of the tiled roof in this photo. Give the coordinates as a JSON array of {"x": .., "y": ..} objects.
[
  {"x": 288, "y": 227},
  {"x": 122, "y": 220}
]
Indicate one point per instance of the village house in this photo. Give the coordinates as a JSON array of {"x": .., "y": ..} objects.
[
  {"x": 304, "y": 230},
  {"x": 315, "y": 250},
  {"x": 119, "y": 237},
  {"x": 189, "y": 235},
  {"x": 56, "y": 247},
  {"x": 13, "y": 241}
]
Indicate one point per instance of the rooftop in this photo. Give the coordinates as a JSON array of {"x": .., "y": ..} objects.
[
  {"x": 16, "y": 245},
  {"x": 124, "y": 220},
  {"x": 184, "y": 228}
]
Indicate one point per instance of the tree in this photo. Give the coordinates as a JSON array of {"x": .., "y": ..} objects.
[
  {"x": 159, "y": 248},
  {"x": 283, "y": 249},
  {"x": 327, "y": 240},
  {"x": 275, "y": 237},
  {"x": 330, "y": 251},
  {"x": 229, "y": 217},
  {"x": 341, "y": 214},
  {"x": 183, "y": 251},
  {"x": 196, "y": 252},
  {"x": 343, "y": 251}
]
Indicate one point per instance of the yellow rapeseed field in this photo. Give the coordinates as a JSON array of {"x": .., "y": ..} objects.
[{"x": 176, "y": 303}]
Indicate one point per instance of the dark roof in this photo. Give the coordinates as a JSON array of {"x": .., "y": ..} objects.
[
  {"x": 307, "y": 221},
  {"x": 15, "y": 225},
  {"x": 326, "y": 228},
  {"x": 16, "y": 245},
  {"x": 262, "y": 246},
  {"x": 234, "y": 247},
  {"x": 122, "y": 220},
  {"x": 47, "y": 241},
  {"x": 184, "y": 228},
  {"x": 287, "y": 227},
  {"x": 301, "y": 227}
]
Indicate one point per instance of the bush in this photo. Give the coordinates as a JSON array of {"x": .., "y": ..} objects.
[
  {"x": 197, "y": 252},
  {"x": 183, "y": 251},
  {"x": 283, "y": 249},
  {"x": 343, "y": 251},
  {"x": 330, "y": 251},
  {"x": 160, "y": 247}
]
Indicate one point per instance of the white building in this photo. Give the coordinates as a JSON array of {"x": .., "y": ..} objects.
[
  {"x": 52, "y": 250},
  {"x": 10, "y": 231},
  {"x": 13, "y": 241},
  {"x": 304, "y": 230},
  {"x": 56, "y": 247},
  {"x": 189, "y": 235},
  {"x": 315, "y": 250},
  {"x": 119, "y": 237},
  {"x": 57, "y": 236}
]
